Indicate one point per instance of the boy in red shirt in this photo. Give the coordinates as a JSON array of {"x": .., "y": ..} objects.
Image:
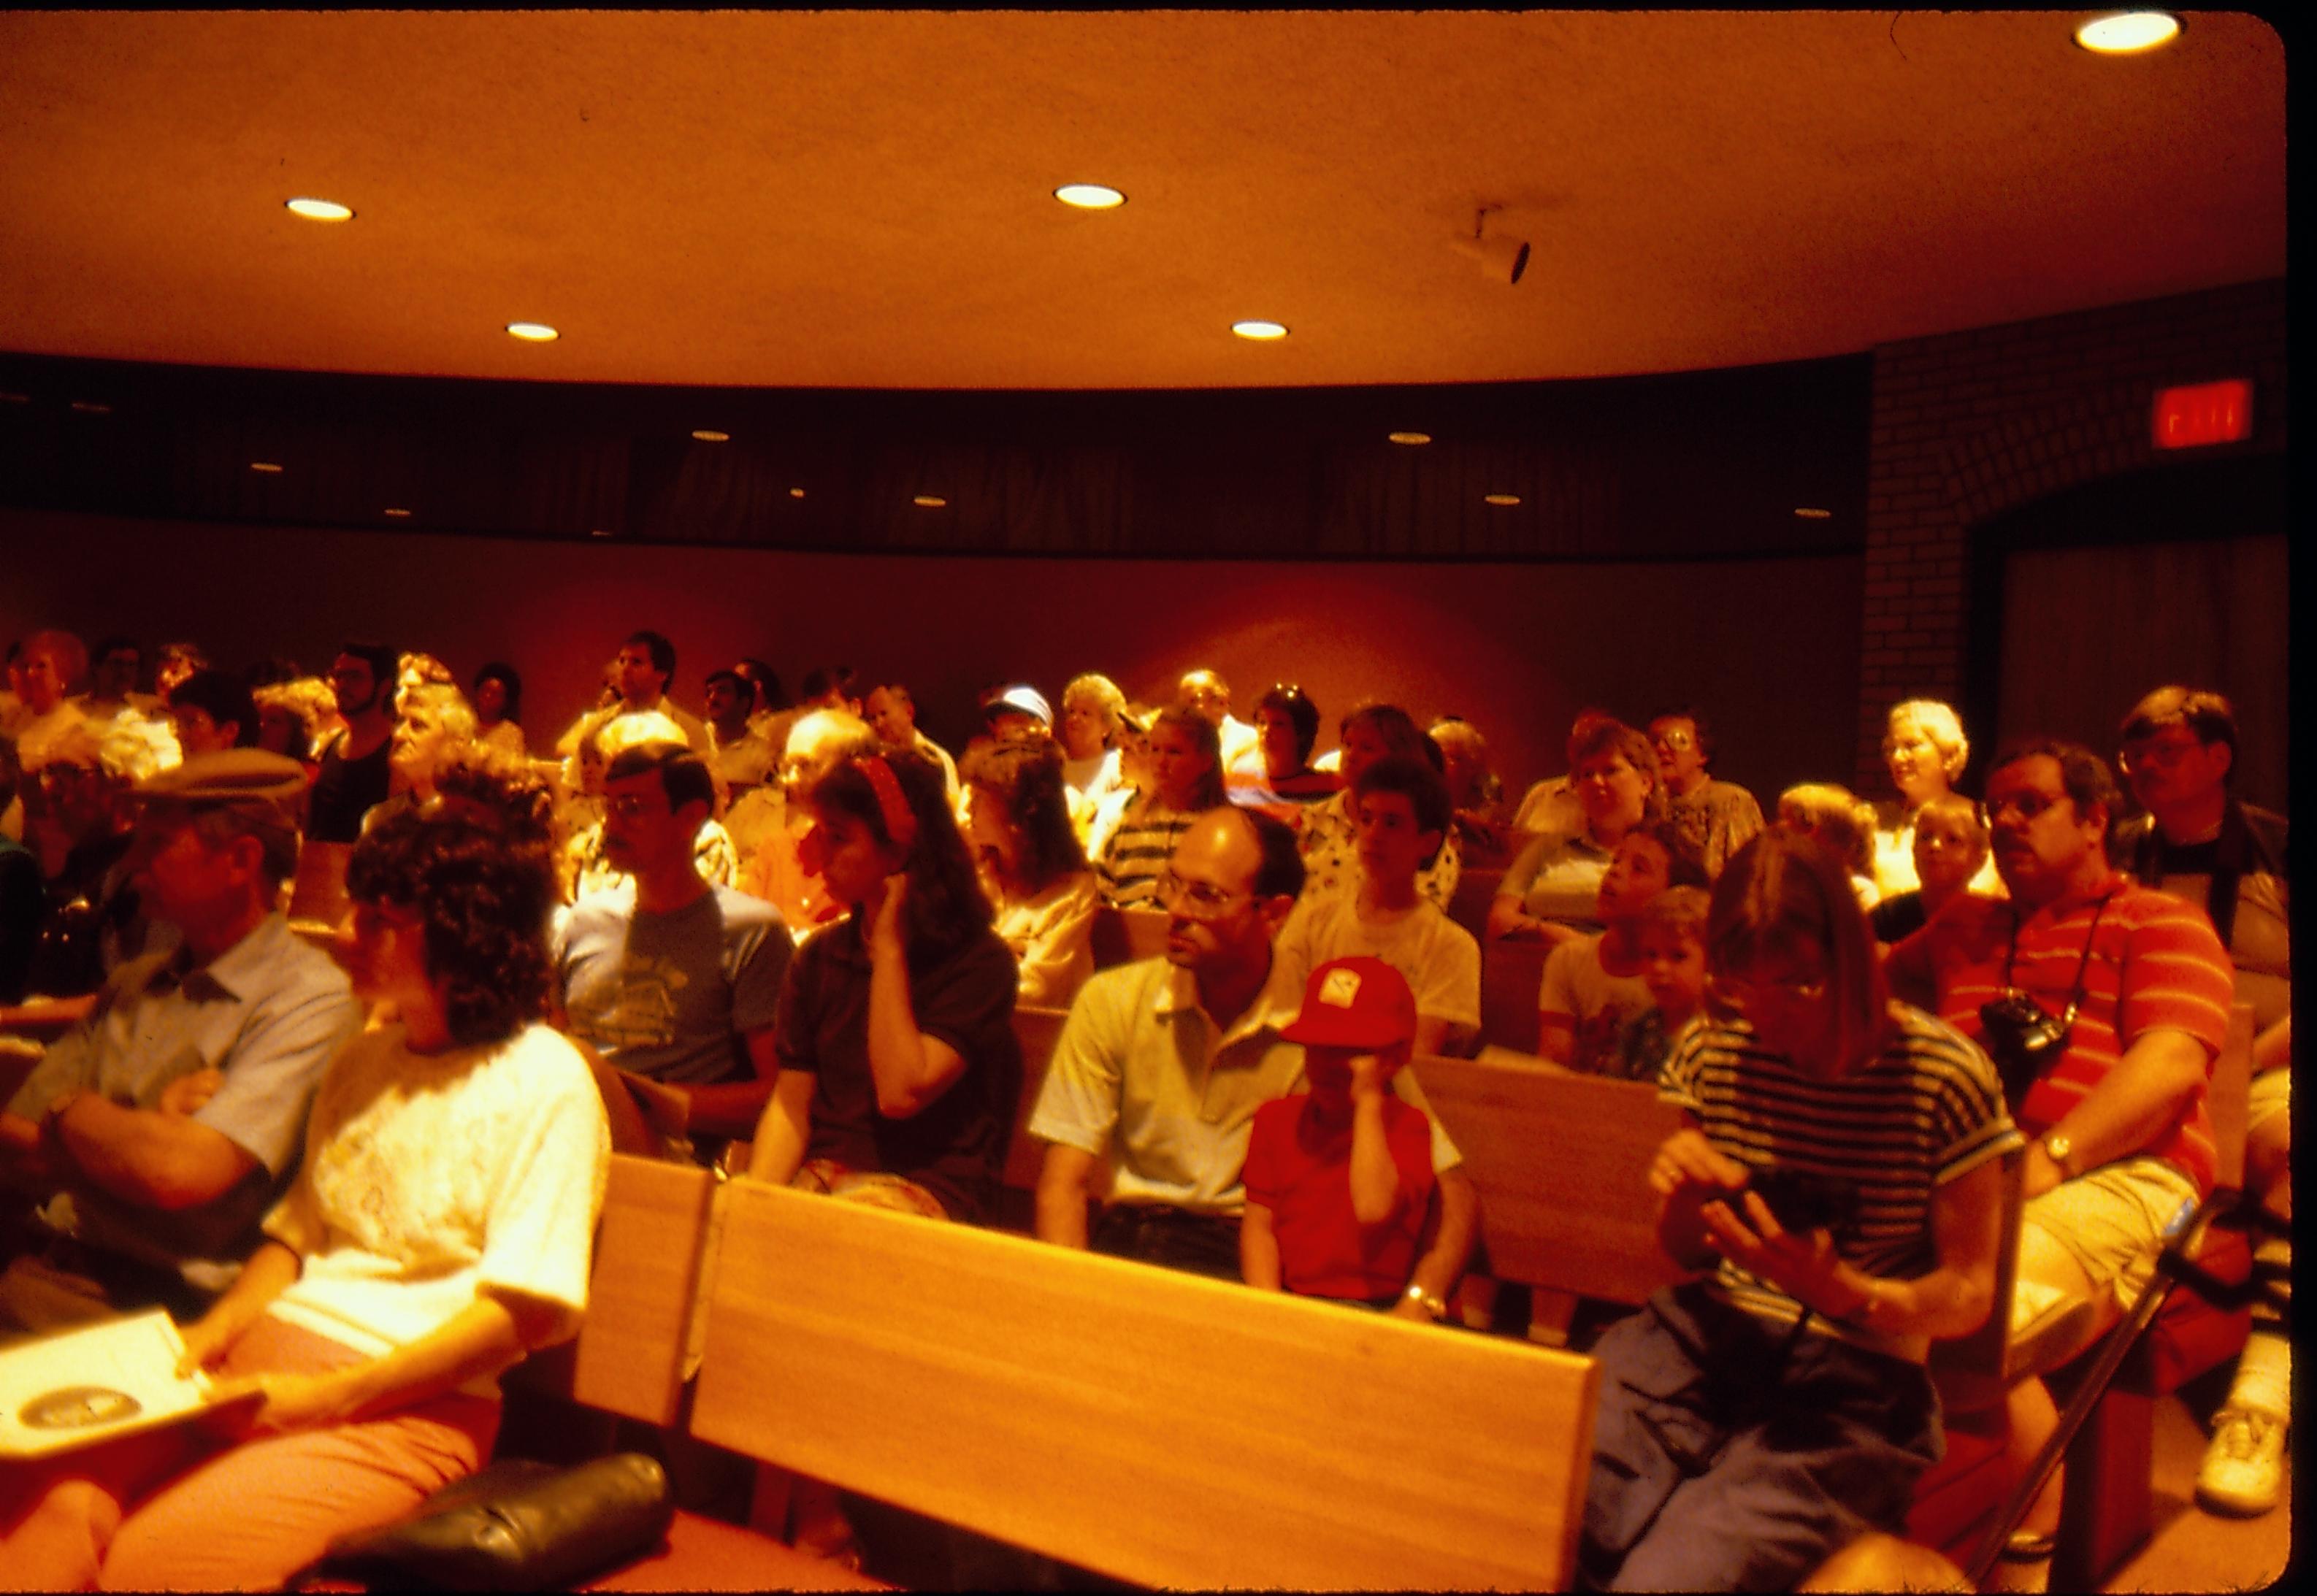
[{"x": 1339, "y": 1179}]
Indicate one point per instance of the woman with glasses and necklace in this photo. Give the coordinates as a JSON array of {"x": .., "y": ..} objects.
[{"x": 1835, "y": 1188}]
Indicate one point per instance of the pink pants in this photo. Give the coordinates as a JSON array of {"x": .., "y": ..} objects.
[{"x": 183, "y": 1510}]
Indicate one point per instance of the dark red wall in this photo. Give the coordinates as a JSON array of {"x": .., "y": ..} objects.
[{"x": 1768, "y": 647}]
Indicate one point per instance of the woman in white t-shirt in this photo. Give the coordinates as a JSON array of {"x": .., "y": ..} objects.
[{"x": 438, "y": 1230}]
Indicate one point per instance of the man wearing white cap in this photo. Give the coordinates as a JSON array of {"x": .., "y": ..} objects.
[{"x": 160, "y": 1129}]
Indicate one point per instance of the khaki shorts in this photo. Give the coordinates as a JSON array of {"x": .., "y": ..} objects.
[
  {"x": 2271, "y": 1095},
  {"x": 2112, "y": 1221}
]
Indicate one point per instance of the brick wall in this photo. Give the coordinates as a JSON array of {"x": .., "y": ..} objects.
[{"x": 1968, "y": 424}]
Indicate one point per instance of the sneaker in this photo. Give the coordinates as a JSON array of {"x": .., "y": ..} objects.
[{"x": 2244, "y": 1469}]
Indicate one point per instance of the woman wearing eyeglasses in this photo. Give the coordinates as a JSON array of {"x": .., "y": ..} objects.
[
  {"x": 1712, "y": 818},
  {"x": 1835, "y": 1187}
]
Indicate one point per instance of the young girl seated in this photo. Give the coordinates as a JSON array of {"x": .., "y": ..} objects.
[
  {"x": 1593, "y": 987},
  {"x": 1340, "y": 1178},
  {"x": 1018, "y": 825}
]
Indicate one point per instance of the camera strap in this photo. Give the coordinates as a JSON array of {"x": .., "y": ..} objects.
[{"x": 2076, "y": 997}]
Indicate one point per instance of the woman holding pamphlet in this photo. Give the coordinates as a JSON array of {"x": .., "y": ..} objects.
[{"x": 438, "y": 1230}]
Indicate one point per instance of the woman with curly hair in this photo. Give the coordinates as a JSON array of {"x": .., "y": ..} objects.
[
  {"x": 438, "y": 1230},
  {"x": 1550, "y": 892},
  {"x": 1018, "y": 825}
]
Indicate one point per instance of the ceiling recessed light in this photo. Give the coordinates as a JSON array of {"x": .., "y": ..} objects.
[
  {"x": 1815, "y": 514},
  {"x": 1501, "y": 499},
  {"x": 1410, "y": 438},
  {"x": 396, "y": 511},
  {"x": 930, "y": 501},
  {"x": 15, "y": 398},
  {"x": 91, "y": 407},
  {"x": 796, "y": 493},
  {"x": 318, "y": 211},
  {"x": 1259, "y": 330},
  {"x": 265, "y": 468},
  {"x": 1090, "y": 196},
  {"x": 534, "y": 331},
  {"x": 711, "y": 435},
  {"x": 2125, "y": 32},
  {"x": 599, "y": 532}
]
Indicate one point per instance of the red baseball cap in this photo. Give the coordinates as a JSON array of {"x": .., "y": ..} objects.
[{"x": 1355, "y": 1002}]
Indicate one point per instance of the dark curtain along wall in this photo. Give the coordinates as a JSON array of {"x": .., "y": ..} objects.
[{"x": 1769, "y": 647}]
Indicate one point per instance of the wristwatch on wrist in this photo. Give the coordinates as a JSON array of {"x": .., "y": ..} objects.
[
  {"x": 2058, "y": 1148},
  {"x": 1430, "y": 1303}
]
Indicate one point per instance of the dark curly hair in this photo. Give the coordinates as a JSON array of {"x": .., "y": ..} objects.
[
  {"x": 520, "y": 806},
  {"x": 1026, "y": 780},
  {"x": 945, "y": 905},
  {"x": 484, "y": 907}
]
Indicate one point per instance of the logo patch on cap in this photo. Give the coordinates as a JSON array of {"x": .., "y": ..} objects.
[{"x": 1342, "y": 989}]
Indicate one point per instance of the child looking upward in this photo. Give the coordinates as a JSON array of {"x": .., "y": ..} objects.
[
  {"x": 1338, "y": 1178},
  {"x": 1593, "y": 987},
  {"x": 1673, "y": 967}
]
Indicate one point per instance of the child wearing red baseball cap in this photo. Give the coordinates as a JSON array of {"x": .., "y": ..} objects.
[{"x": 1339, "y": 1179}]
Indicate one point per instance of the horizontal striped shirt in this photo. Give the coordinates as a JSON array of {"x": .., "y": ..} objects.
[
  {"x": 2154, "y": 965},
  {"x": 1134, "y": 858},
  {"x": 1925, "y": 1111}
]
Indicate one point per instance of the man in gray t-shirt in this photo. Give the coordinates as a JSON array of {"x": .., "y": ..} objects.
[{"x": 671, "y": 977}]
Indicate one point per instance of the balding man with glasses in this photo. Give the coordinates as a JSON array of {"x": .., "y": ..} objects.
[{"x": 1164, "y": 1062}]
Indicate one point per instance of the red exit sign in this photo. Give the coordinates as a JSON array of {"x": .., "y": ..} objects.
[{"x": 2207, "y": 413}]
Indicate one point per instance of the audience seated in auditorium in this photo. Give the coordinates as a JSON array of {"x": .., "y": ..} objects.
[
  {"x": 296, "y": 717},
  {"x": 588, "y": 865},
  {"x": 1329, "y": 835},
  {"x": 739, "y": 757},
  {"x": 79, "y": 813},
  {"x": 642, "y": 672},
  {"x": 2228, "y": 857},
  {"x": 1671, "y": 936},
  {"x": 2121, "y": 1136},
  {"x": 674, "y": 978},
  {"x": 893, "y": 714},
  {"x": 1550, "y": 808},
  {"x": 1015, "y": 711},
  {"x": 160, "y": 1130},
  {"x": 439, "y": 1228},
  {"x": 1286, "y": 726},
  {"x": 1090, "y": 729},
  {"x": 1186, "y": 779},
  {"x": 211, "y": 711},
  {"x": 1775, "y": 1408},
  {"x": 1711, "y": 818},
  {"x": 1035, "y": 874},
  {"x": 174, "y": 662},
  {"x": 1925, "y": 750},
  {"x": 1950, "y": 851},
  {"x": 1339, "y": 1185},
  {"x": 1551, "y": 892},
  {"x": 1476, "y": 794},
  {"x": 1400, "y": 807},
  {"x": 354, "y": 774},
  {"x": 436, "y": 728},
  {"x": 1164, "y": 1062},
  {"x": 1205, "y": 693},
  {"x": 41, "y": 677},
  {"x": 780, "y": 817},
  {"x": 23, "y": 897},
  {"x": 496, "y": 695},
  {"x": 1841, "y": 823},
  {"x": 1594, "y": 988}
]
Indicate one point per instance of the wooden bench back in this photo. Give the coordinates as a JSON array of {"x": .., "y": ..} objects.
[
  {"x": 1561, "y": 1164},
  {"x": 1037, "y": 1030},
  {"x": 629, "y": 1357},
  {"x": 1468, "y": 905},
  {"x": 1122, "y": 936},
  {"x": 1157, "y": 1427},
  {"x": 1511, "y": 973}
]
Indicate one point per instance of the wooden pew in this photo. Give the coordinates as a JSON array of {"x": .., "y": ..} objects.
[
  {"x": 1122, "y": 936},
  {"x": 1468, "y": 905},
  {"x": 1151, "y": 1426},
  {"x": 1512, "y": 972},
  {"x": 1037, "y": 1030}
]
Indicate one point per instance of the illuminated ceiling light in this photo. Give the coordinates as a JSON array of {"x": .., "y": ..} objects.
[
  {"x": 2127, "y": 32},
  {"x": 1815, "y": 514},
  {"x": 396, "y": 511},
  {"x": 265, "y": 468},
  {"x": 711, "y": 435},
  {"x": 318, "y": 211},
  {"x": 91, "y": 407},
  {"x": 930, "y": 501},
  {"x": 599, "y": 532},
  {"x": 534, "y": 331},
  {"x": 1501, "y": 499},
  {"x": 1090, "y": 196},
  {"x": 1261, "y": 331},
  {"x": 1410, "y": 439},
  {"x": 796, "y": 493}
]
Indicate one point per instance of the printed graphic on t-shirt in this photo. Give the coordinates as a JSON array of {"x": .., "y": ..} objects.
[{"x": 636, "y": 1010}]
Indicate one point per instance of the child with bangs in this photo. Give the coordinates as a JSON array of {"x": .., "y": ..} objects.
[{"x": 1592, "y": 988}]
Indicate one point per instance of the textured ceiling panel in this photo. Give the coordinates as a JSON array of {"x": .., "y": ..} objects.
[{"x": 861, "y": 198}]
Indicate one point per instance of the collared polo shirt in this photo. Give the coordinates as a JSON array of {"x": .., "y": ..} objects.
[{"x": 1141, "y": 1071}]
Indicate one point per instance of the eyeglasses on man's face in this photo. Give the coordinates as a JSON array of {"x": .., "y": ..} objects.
[
  {"x": 2163, "y": 752},
  {"x": 1196, "y": 900}
]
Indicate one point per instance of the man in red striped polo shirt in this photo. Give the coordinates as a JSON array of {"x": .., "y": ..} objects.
[{"x": 2103, "y": 1003}]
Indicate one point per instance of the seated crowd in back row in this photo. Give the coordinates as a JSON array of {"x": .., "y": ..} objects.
[{"x": 790, "y": 938}]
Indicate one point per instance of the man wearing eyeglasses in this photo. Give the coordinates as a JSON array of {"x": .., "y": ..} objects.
[
  {"x": 2104, "y": 1005},
  {"x": 2200, "y": 842},
  {"x": 1164, "y": 1062}
]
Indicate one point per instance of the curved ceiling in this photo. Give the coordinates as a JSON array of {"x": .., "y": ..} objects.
[{"x": 836, "y": 199}]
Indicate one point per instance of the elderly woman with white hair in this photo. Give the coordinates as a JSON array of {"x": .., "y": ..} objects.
[{"x": 1925, "y": 749}]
